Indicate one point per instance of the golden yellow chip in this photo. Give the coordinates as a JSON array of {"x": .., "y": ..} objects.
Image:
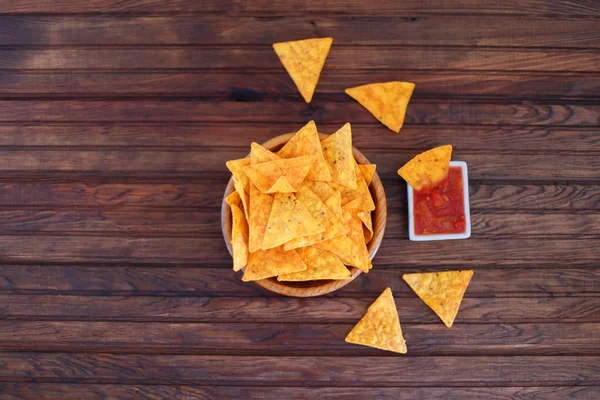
[
  {"x": 244, "y": 195},
  {"x": 236, "y": 167},
  {"x": 259, "y": 154},
  {"x": 386, "y": 101},
  {"x": 259, "y": 211},
  {"x": 441, "y": 291},
  {"x": 380, "y": 326},
  {"x": 360, "y": 192},
  {"x": 350, "y": 248},
  {"x": 233, "y": 198},
  {"x": 337, "y": 150},
  {"x": 368, "y": 170},
  {"x": 321, "y": 189},
  {"x": 365, "y": 217},
  {"x": 289, "y": 219},
  {"x": 280, "y": 176},
  {"x": 334, "y": 203},
  {"x": 264, "y": 264},
  {"x": 320, "y": 264},
  {"x": 306, "y": 143},
  {"x": 428, "y": 168},
  {"x": 304, "y": 60},
  {"x": 239, "y": 238},
  {"x": 333, "y": 225}
]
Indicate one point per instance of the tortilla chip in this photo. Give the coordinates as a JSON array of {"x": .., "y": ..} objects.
[
  {"x": 264, "y": 264},
  {"x": 365, "y": 217},
  {"x": 239, "y": 238},
  {"x": 380, "y": 326},
  {"x": 244, "y": 195},
  {"x": 306, "y": 143},
  {"x": 321, "y": 189},
  {"x": 334, "y": 203},
  {"x": 233, "y": 198},
  {"x": 259, "y": 154},
  {"x": 441, "y": 291},
  {"x": 350, "y": 248},
  {"x": 361, "y": 192},
  {"x": 368, "y": 170},
  {"x": 319, "y": 211},
  {"x": 304, "y": 60},
  {"x": 267, "y": 176},
  {"x": 320, "y": 264},
  {"x": 236, "y": 168},
  {"x": 428, "y": 168},
  {"x": 289, "y": 219},
  {"x": 337, "y": 150},
  {"x": 259, "y": 211},
  {"x": 386, "y": 101}
]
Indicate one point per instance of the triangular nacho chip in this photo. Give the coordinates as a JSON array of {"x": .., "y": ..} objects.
[
  {"x": 304, "y": 60},
  {"x": 288, "y": 220},
  {"x": 320, "y": 264},
  {"x": 360, "y": 192},
  {"x": 350, "y": 248},
  {"x": 321, "y": 189},
  {"x": 380, "y": 326},
  {"x": 239, "y": 238},
  {"x": 334, "y": 203},
  {"x": 244, "y": 195},
  {"x": 306, "y": 143},
  {"x": 368, "y": 170},
  {"x": 365, "y": 217},
  {"x": 333, "y": 225},
  {"x": 264, "y": 264},
  {"x": 259, "y": 211},
  {"x": 428, "y": 168},
  {"x": 337, "y": 150},
  {"x": 441, "y": 291},
  {"x": 259, "y": 154},
  {"x": 236, "y": 168},
  {"x": 267, "y": 176},
  {"x": 233, "y": 198},
  {"x": 386, "y": 101}
]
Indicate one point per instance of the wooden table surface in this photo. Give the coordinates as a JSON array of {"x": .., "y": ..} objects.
[{"x": 117, "y": 117}]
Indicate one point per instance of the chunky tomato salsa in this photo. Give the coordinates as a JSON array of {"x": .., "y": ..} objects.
[{"x": 441, "y": 209}]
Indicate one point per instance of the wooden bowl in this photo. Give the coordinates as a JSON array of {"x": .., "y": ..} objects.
[{"x": 321, "y": 287}]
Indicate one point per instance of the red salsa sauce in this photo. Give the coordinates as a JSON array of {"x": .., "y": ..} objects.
[{"x": 441, "y": 208}]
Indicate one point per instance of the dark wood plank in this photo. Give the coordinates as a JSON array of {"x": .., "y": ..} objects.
[
  {"x": 70, "y": 391},
  {"x": 475, "y": 252},
  {"x": 473, "y": 31},
  {"x": 262, "y": 57},
  {"x": 211, "y": 164},
  {"x": 289, "y": 310},
  {"x": 103, "y": 194},
  {"x": 294, "y": 339},
  {"x": 141, "y": 222},
  {"x": 300, "y": 371},
  {"x": 286, "y": 7},
  {"x": 258, "y": 86},
  {"x": 203, "y": 135},
  {"x": 207, "y": 281},
  {"x": 424, "y": 112}
]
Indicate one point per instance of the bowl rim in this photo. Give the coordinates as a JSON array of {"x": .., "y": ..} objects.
[{"x": 379, "y": 224}]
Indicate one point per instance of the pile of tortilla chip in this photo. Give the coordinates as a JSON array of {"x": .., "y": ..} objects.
[{"x": 304, "y": 212}]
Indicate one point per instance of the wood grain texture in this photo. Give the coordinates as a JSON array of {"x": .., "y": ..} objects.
[
  {"x": 299, "y": 371},
  {"x": 306, "y": 339},
  {"x": 220, "y": 309},
  {"x": 472, "y": 31},
  {"x": 263, "y": 58},
  {"x": 287, "y": 7},
  {"x": 70, "y": 391},
  {"x": 553, "y": 280}
]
